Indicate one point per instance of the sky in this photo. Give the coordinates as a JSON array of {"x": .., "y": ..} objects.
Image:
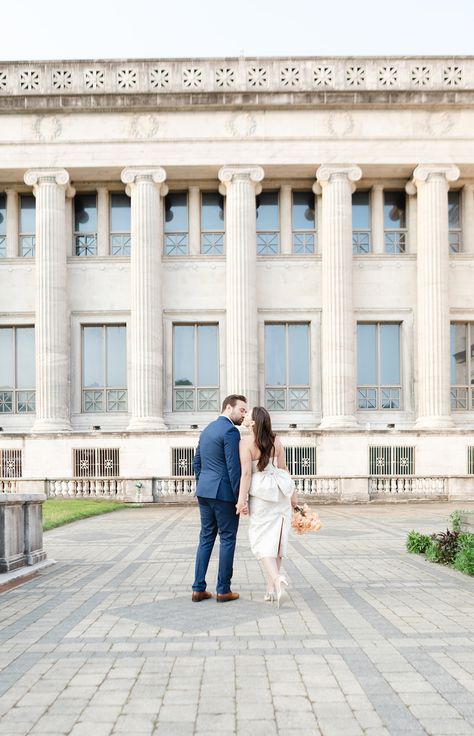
[{"x": 119, "y": 29}]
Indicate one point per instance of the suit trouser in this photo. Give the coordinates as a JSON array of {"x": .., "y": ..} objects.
[{"x": 217, "y": 517}]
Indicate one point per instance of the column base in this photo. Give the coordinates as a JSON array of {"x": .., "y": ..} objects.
[
  {"x": 51, "y": 425},
  {"x": 146, "y": 424},
  {"x": 339, "y": 422},
  {"x": 442, "y": 422}
]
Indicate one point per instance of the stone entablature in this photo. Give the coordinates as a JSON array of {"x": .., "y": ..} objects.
[{"x": 239, "y": 76}]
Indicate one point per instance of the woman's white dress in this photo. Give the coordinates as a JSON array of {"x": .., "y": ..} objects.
[{"x": 269, "y": 510}]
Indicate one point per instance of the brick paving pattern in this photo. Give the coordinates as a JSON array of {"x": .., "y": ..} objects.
[{"x": 372, "y": 641}]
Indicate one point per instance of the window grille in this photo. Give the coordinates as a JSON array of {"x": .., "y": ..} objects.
[
  {"x": 470, "y": 460},
  {"x": 182, "y": 461},
  {"x": 97, "y": 462},
  {"x": 11, "y": 465},
  {"x": 385, "y": 460},
  {"x": 301, "y": 460}
]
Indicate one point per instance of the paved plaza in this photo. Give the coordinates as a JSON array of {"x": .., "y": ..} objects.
[{"x": 371, "y": 641}]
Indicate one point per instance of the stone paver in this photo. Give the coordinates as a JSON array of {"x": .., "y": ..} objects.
[{"x": 372, "y": 641}]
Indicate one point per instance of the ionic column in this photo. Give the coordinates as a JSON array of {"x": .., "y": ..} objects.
[
  {"x": 337, "y": 329},
  {"x": 241, "y": 185},
  {"x": 50, "y": 187},
  {"x": 432, "y": 318},
  {"x": 146, "y": 188}
]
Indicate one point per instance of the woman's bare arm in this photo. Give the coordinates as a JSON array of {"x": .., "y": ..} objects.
[{"x": 246, "y": 475}]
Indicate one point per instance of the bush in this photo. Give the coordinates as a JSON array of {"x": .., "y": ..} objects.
[
  {"x": 456, "y": 519},
  {"x": 432, "y": 551},
  {"x": 464, "y": 560},
  {"x": 447, "y": 546},
  {"x": 417, "y": 542}
]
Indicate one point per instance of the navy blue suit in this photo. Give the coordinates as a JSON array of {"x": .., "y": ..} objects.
[{"x": 217, "y": 470}]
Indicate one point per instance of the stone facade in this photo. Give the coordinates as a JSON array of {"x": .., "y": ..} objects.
[{"x": 240, "y": 126}]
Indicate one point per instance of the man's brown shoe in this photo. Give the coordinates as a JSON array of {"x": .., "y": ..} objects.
[
  {"x": 200, "y": 595},
  {"x": 224, "y": 597}
]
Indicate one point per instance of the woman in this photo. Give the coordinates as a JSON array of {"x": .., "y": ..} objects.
[{"x": 267, "y": 493}]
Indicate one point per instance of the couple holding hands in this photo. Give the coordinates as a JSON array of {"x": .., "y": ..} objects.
[{"x": 236, "y": 476}]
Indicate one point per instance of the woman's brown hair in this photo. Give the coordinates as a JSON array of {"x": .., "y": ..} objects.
[{"x": 264, "y": 435}]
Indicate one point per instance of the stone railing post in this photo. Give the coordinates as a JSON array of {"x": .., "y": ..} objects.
[
  {"x": 241, "y": 185},
  {"x": 430, "y": 182},
  {"x": 337, "y": 328},
  {"x": 146, "y": 188},
  {"x": 50, "y": 187}
]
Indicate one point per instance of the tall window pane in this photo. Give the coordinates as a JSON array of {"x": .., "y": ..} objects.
[
  {"x": 378, "y": 366},
  {"x": 454, "y": 218},
  {"x": 298, "y": 355},
  {"x": 195, "y": 368},
  {"x": 275, "y": 355},
  {"x": 3, "y": 226},
  {"x": 93, "y": 357},
  {"x": 7, "y": 362},
  {"x": 361, "y": 222},
  {"x": 27, "y": 225},
  {"x": 85, "y": 224},
  {"x": 17, "y": 370},
  {"x": 120, "y": 224},
  {"x": 212, "y": 223},
  {"x": 462, "y": 366},
  {"x": 207, "y": 355},
  {"x": 287, "y": 367},
  {"x": 104, "y": 351},
  {"x": 25, "y": 360},
  {"x": 176, "y": 224},
  {"x": 116, "y": 356},
  {"x": 268, "y": 223},
  {"x": 394, "y": 213},
  {"x": 303, "y": 222}
]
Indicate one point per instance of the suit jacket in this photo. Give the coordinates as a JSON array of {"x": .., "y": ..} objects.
[{"x": 216, "y": 461}]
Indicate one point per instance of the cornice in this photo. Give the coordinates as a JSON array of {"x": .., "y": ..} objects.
[{"x": 242, "y": 82}]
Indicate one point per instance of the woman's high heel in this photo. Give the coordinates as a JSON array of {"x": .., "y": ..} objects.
[
  {"x": 270, "y": 597},
  {"x": 281, "y": 593}
]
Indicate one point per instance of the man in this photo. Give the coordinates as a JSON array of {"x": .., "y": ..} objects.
[{"x": 217, "y": 470}]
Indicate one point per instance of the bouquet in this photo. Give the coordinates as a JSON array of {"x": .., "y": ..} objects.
[{"x": 304, "y": 520}]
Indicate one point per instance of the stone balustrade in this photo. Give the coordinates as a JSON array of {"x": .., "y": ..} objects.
[{"x": 21, "y": 530}]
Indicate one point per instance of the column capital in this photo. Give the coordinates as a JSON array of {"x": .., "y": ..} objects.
[
  {"x": 155, "y": 174},
  {"x": 329, "y": 172},
  {"x": 60, "y": 177},
  {"x": 227, "y": 175},
  {"x": 426, "y": 172}
]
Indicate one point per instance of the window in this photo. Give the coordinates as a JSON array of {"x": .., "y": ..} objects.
[
  {"x": 470, "y": 460},
  {"x": 462, "y": 366},
  {"x": 27, "y": 225},
  {"x": 391, "y": 460},
  {"x": 96, "y": 462},
  {"x": 182, "y": 461},
  {"x": 3, "y": 226},
  {"x": 303, "y": 223},
  {"x": 287, "y": 367},
  {"x": 212, "y": 223},
  {"x": 195, "y": 367},
  {"x": 268, "y": 224},
  {"x": 454, "y": 219},
  {"x": 11, "y": 464},
  {"x": 176, "y": 224},
  {"x": 394, "y": 222},
  {"x": 17, "y": 370},
  {"x": 120, "y": 224},
  {"x": 378, "y": 366},
  {"x": 361, "y": 222},
  {"x": 85, "y": 224},
  {"x": 104, "y": 368},
  {"x": 301, "y": 460}
]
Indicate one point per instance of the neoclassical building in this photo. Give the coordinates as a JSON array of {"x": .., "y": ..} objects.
[{"x": 297, "y": 230}]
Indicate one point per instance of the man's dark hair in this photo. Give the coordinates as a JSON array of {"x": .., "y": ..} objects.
[{"x": 232, "y": 399}]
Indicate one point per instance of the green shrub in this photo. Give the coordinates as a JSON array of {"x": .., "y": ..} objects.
[
  {"x": 456, "y": 519},
  {"x": 464, "y": 560},
  {"x": 417, "y": 542},
  {"x": 448, "y": 543},
  {"x": 432, "y": 551}
]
